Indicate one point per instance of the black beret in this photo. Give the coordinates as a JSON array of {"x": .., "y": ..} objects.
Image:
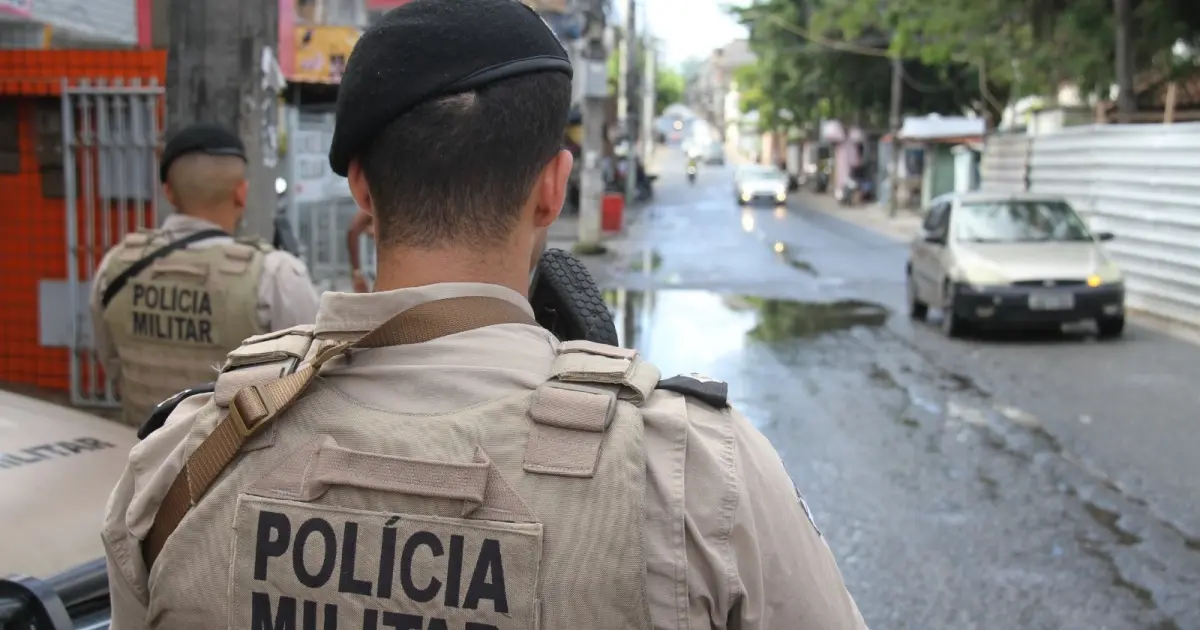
[
  {"x": 201, "y": 138},
  {"x": 427, "y": 49}
]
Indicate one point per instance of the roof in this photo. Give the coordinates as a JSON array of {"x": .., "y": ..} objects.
[
  {"x": 935, "y": 127},
  {"x": 985, "y": 196}
]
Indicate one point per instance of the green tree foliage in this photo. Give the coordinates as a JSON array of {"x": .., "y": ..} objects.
[
  {"x": 822, "y": 58},
  {"x": 840, "y": 74},
  {"x": 669, "y": 88}
]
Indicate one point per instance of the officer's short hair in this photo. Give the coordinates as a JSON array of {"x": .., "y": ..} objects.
[
  {"x": 459, "y": 167},
  {"x": 201, "y": 180}
]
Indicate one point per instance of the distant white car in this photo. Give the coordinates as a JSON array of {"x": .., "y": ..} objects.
[{"x": 757, "y": 183}]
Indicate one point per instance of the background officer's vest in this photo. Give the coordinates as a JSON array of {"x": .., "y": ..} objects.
[
  {"x": 520, "y": 513},
  {"x": 173, "y": 323}
]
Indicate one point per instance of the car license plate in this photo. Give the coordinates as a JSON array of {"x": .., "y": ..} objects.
[{"x": 1051, "y": 301}]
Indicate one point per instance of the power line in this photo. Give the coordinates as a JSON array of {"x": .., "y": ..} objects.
[
  {"x": 850, "y": 47},
  {"x": 920, "y": 87},
  {"x": 834, "y": 44}
]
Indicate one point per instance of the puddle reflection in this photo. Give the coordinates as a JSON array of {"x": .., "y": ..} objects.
[{"x": 687, "y": 329}]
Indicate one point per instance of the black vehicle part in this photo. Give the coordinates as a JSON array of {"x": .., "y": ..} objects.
[
  {"x": 285, "y": 237},
  {"x": 567, "y": 302},
  {"x": 55, "y": 603},
  {"x": 158, "y": 417}
]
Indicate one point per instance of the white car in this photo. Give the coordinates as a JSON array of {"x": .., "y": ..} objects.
[
  {"x": 1013, "y": 260},
  {"x": 58, "y": 467},
  {"x": 754, "y": 182}
]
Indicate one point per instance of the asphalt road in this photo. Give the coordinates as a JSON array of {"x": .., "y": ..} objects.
[{"x": 991, "y": 483}]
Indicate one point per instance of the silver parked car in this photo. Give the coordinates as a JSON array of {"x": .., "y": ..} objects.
[{"x": 1020, "y": 260}]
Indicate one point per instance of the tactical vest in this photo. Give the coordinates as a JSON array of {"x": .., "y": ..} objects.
[
  {"x": 520, "y": 513},
  {"x": 173, "y": 323}
]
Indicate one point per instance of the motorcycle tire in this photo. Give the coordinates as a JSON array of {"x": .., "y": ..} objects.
[{"x": 567, "y": 302}]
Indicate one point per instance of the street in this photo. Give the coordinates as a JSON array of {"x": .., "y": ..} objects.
[{"x": 996, "y": 482}]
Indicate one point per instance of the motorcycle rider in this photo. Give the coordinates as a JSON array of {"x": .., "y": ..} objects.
[{"x": 693, "y": 166}]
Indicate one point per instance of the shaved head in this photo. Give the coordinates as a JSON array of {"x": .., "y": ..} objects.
[{"x": 200, "y": 182}]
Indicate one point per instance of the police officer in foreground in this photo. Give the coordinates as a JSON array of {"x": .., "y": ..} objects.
[
  {"x": 169, "y": 304},
  {"x": 433, "y": 458}
]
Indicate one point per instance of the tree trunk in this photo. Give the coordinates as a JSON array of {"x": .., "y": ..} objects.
[{"x": 1126, "y": 104}]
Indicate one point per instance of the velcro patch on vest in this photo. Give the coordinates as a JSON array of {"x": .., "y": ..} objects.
[
  {"x": 299, "y": 565},
  {"x": 172, "y": 313}
]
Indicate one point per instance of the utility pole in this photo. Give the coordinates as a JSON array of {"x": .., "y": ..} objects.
[
  {"x": 649, "y": 93},
  {"x": 894, "y": 123},
  {"x": 1126, "y": 105},
  {"x": 627, "y": 67},
  {"x": 221, "y": 68},
  {"x": 594, "y": 78}
]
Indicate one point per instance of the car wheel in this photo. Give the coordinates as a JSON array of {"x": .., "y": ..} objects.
[
  {"x": 1111, "y": 327},
  {"x": 917, "y": 310},
  {"x": 952, "y": 324}
]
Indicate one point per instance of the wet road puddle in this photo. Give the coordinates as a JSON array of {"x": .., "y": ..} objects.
[
  {"x": 791, "y": 257},
  {"x": 650, "y": 260},
  {"x": 672, "y": 322}
]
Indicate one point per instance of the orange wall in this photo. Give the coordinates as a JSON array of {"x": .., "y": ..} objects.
[{"x": 34, "y": 236}]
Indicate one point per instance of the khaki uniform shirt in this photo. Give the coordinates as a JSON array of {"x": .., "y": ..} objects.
[
  {"x": 286, "y": 295},
  {"x": 741, "y": 552}
]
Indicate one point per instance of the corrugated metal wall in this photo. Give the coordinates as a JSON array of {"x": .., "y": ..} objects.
[
  {"x": 1005, "y": 163},
  {"x": 1142, "y": 183}
]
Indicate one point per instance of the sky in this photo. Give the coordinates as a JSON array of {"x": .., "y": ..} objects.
[{"x": 690, "y": 28}]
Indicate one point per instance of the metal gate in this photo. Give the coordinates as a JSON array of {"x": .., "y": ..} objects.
[
  {"x": 112, "y": 135},
  {"x": 319, "y": 202}
]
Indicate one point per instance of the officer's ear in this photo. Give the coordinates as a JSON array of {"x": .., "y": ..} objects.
[
  {"x": 240, "y": 193},
  {"x": 169, "y": 193},
  {"x": 359, "y": 188},
  {"x": 551, "y": 188}
]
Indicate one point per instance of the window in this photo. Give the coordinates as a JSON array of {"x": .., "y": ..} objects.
[
  {"x": 1019, "y": 221},
  {"x": 938, "y": 218}
]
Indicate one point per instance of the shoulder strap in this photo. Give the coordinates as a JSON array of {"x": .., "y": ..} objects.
[
  {"x": 572, "y": 410},
  {"x": 254, "y": 407},
  {"x": 256, "y": 243},
  {"x": 120, "y": 281}
]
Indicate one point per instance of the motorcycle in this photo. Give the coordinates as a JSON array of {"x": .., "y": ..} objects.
[
  {"x": 691, "y": 174},
  {"x": 821, "y": 184},
  {"x": 643, "y": 185},
  {"x": 859, "y": 188},
  {"x": 849, "y": 194}
]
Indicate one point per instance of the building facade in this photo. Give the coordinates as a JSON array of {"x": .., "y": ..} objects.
[{"x": 709, "y": 88}]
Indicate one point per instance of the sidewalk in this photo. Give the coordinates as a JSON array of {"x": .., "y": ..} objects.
[
  {"x": 624, "y": 250},
  {"x": 904, "y": 226}
]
